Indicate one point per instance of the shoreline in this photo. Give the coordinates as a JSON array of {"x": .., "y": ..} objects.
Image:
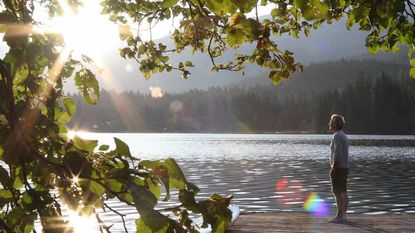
[
  {"x": 307, "y": 222},
  {"x": 84, "y": 130}
]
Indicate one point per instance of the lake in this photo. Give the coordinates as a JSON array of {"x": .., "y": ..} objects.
[{"x": 282, "y": 172}]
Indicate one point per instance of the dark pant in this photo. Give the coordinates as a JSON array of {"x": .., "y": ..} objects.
[{"x": 339, "y": 179}]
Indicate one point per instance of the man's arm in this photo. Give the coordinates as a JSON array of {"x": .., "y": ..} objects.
[{"x": 337, "y": 151}]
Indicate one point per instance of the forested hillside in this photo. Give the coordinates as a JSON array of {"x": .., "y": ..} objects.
[{"x": 375, "y": 97}]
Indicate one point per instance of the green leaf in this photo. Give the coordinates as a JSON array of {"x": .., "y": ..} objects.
[
  {"x": 306, "y": 32},
  {"x": 373, "y": 49},
  {"x": 104, "y": 147},
  {"x": 189, "y": 64},
  {"x": 322, "y": 8},
  {"x": 168, "y": 171},
  {"x": 236, "y": 19},
  {"x": 152, "y": 222},
  {"x": 154, "y": 188},
  {"x": 28, "y": 228},
  {"x": 84, "y": 144},
  {"x": 412, "y": 72},
  {"x": 144, "y": 200},
  {"x": 12, "y": 61},
  {"x": 309, "y": 14},
  {"x": 162, "y": 47},
  {"x": 15, "y": 216},
  {"x": 301, "y": 4},
  {"x": 168, "y": 3},
  {"x": 27, "y": 199},
  {"x": 235, "y": 37},
  {"x": 246, "y": 6},
  {"x": 5, "y": 194},
  {"x": 21, "y": 75},
  {"x": 87, "y": 84},
  {"x": 215, "y": 212},
  {"x": 188, "y": 199},
  {"x": 274, "y": 13},
  {"x": 5, "y": 197},
  {"x": 60, "y": 115},
  {"x": 93, "y": 186},
  {"x": 275, "y": 77},
  {"x": 17, "y": 182},
  {"x": 4, "y": 176},
  {"x": 115, "y": 185},
  {"x": 221, "y": 7},
  {"x": 121, "y": 148},
  {"x": 70, "y": 106}
]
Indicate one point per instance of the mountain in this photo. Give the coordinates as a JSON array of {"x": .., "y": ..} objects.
[
  {"x": 373, "y": 95},
  {"x": 330, "y": 42},
  {"x": 330, "y": 75}
]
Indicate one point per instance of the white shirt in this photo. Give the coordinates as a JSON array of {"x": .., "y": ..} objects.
[{"x": 339, "y": 148}]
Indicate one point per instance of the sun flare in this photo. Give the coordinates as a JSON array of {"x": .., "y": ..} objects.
[
  {"x": 86, "y": 32},
  {"x": 82, "y": 224}
]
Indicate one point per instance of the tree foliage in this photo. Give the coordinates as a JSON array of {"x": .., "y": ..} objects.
[
  {"x": 215, "y": 26},
  {"x": 42, "y": 169},
  {"x": 41, "y": 166}
]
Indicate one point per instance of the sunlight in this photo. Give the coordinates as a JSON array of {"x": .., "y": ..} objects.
[
  {"x": 123, "y": 105},
  {"x": 156, "y": 92},
  {"x": 87, "y": 32},
  {"x": 82, "y": 224},
  {"x": 75, "y": 180},
  {"x": 71, "y": 134}
]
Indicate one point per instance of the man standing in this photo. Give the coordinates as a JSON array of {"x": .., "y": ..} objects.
[{"x": 339, "y": 161}]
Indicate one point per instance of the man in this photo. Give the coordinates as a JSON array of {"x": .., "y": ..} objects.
[{"x": 339, "y": 161}]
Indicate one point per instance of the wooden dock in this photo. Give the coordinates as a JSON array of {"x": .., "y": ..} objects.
[{"x": 304, "y": 222}]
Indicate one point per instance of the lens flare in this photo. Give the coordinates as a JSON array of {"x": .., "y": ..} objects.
[
  {"x": 289, "y": 192},
  {"x": 82, "y": 224},
  {"x": 281, "y": 184},
  {"x": 176, "y": 106},
  {"x": 71, "y": 134},
  {"x": 315, "y": 205},
  {"x": 129, "y": 68},
  {"x": 156, "y": 92}
]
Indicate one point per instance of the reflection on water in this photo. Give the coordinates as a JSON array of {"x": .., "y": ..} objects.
[
  {"x": 218, "y": 147},
  {"x": 283, "y": 172},
  {"x": 373, "y": 185}
]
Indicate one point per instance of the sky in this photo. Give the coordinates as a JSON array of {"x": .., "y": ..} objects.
[{"x": 93, "y": 34}]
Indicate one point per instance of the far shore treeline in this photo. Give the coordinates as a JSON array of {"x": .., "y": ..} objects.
[{"x": 372, "y": 104}]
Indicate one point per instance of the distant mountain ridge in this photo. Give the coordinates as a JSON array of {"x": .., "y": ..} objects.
[
  {"x": 329, "y": 43},
  {"x": 329, "y": 75}
]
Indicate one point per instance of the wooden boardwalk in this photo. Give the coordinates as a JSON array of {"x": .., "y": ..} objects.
[{"x": 304, "y": 222}]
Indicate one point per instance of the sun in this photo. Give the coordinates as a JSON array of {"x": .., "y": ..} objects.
[
  {"x": 86, "y": 32},
  {"x": 82, "y": 224}
]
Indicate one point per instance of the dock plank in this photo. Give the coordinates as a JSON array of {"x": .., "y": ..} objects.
[{"x": 304, "y": 222}]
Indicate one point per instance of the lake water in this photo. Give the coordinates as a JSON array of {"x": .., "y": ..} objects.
[{"x": 279, "y": 172}]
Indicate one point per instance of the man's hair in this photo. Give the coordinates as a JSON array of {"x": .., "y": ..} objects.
[{"x": 338, "y": 121}]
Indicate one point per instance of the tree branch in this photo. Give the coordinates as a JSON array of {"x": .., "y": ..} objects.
[
  {"x": 410, "y": 5},
  {"x": 102, "y": 224},
  {"x": 119, "y": 214}
]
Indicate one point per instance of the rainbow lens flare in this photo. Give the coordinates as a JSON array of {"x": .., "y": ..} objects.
[
  {"x": 289, "y": 192},
  {"x": 315, "y": 205}
]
